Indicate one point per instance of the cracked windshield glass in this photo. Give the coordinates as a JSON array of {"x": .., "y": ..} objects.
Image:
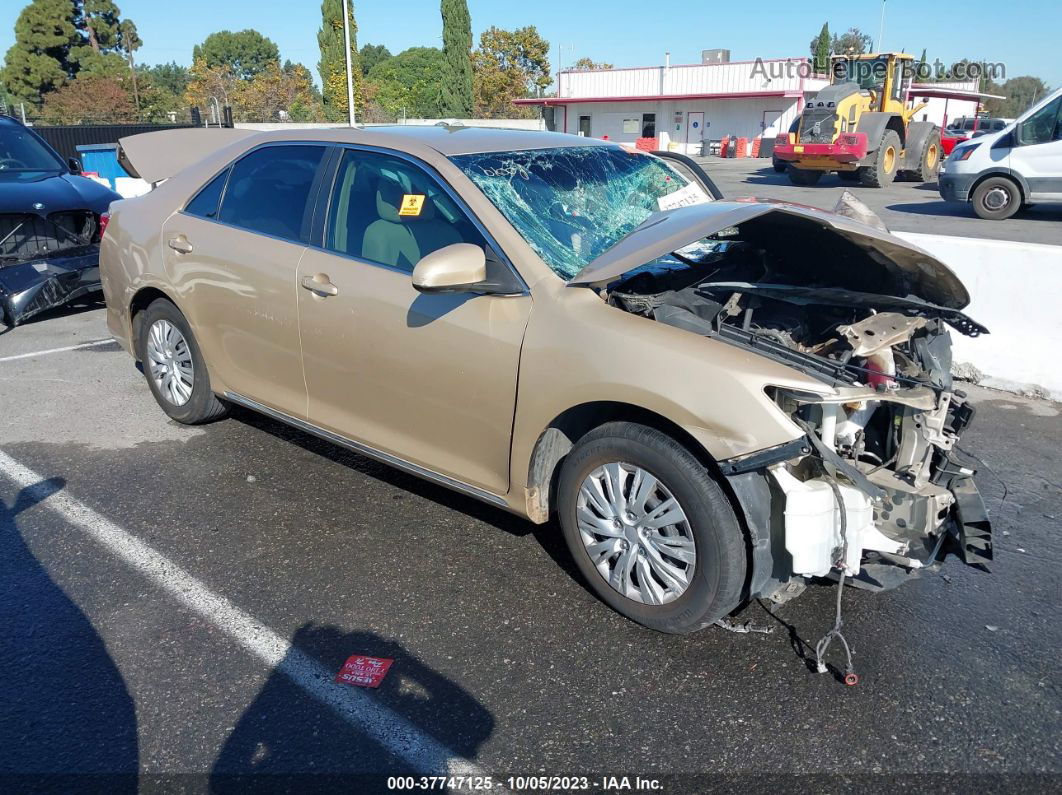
[{"x": 573, "y": 203}]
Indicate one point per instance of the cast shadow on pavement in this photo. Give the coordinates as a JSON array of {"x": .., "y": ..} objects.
[
  {"x": 288, "y": 741},
  {"x": 67, "y": 720}
]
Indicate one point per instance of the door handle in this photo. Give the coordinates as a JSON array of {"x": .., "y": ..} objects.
[
  {"x": 180, "y": 244},
  {"x": 320, "y": 284}
]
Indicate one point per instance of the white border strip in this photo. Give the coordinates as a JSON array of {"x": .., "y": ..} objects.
[
  {"x": 35, "y": 354},
  {"x": 357, "y": 707}
]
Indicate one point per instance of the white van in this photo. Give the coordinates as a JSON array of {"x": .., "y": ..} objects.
[{"x": 1001, "y": 172}]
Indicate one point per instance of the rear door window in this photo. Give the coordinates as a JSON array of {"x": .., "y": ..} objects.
[{"x": 269, "y": 189}]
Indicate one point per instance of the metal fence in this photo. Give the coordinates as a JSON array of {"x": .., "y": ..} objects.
[{"x": 65, "y": 139}]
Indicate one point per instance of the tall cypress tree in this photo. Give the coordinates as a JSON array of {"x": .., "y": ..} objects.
[
  {"x": 40, "y": 59},
  {"x": 332, "y": 67},
  {"x": 822, "y": 50},
  {"x": 457, "y": 48}
]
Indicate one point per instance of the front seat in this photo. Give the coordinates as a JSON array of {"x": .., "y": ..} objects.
[{"x": 401, "y": 240}]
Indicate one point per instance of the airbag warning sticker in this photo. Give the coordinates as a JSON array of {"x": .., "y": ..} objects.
[{"x": 411, "y": 204}]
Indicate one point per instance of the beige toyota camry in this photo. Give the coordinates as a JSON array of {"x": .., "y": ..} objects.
[{"x": 717, "y": 400}]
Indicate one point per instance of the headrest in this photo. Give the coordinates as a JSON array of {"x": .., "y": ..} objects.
[{"x": 389, "y": 197}]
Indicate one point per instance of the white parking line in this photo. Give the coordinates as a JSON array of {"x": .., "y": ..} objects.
[
  {"x": 56, "y": 350},
  {"x": 382, "y": 724}
]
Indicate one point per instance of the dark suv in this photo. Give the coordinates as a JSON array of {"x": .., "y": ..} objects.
[{"x": 51, "y": 220}]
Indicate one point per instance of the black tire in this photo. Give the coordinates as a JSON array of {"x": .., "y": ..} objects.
[
  {"x": 718, "y": 575},
  {"x": 803, "y": 176},
  {"x": 848, "y": 176},
  {"x": 928, "y": 161},
  {"x": 881, "y": 170},
  {"x": 779, "y": 166},
  {"x": 996, "y": 198},
  {"x": 202, "y": 405}
]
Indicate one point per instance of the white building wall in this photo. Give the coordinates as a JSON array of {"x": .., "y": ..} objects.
[{"x": 741, "y": 117}]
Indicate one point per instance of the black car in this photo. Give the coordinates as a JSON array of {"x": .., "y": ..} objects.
[{"x": 51, "y": 219}]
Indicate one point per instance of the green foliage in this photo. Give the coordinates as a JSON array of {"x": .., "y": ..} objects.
[
  {"x": 39, "y": 60},
  {"x": 852, "y": 42},
  {"x": 457, "y": 47},
  {"x": 408, "y": 84},
  {"x": 508, "y": 65},
  {"x": 588, "y": 65},
  {"x": 332, "y": 67},
  {"x": 1020, "y": 92},
  {"x": 372, "y": 54},
  {"x": 820, "y": 50},
  {"x": 101, "y": 23},
  {"x": 246, "y": 52},
  {"x": 171, "y": 78}
]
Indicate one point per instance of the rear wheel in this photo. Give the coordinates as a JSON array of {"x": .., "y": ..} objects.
[
  {"x": 779, "y": 166},
  {"x": 174, "y": 366},
  {"x": 803, "y": 176},
  {"x": 996, "y": 199},
  {"x": 650, "y": 530},
  {"x": 882, "y": 169}
]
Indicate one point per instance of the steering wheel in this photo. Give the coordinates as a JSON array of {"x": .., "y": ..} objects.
[{"x": 10, "y": 162}]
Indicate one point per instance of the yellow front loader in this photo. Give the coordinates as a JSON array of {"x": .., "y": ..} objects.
[{"x": 862, "y": 126}]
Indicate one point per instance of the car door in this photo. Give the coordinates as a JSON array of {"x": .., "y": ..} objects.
[
  {"x": 429, "y": 379},
  {"x": 1037, "y": 155},
  {"x": 233, "y": 253}
]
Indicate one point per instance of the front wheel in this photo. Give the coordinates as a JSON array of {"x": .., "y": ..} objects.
[
  {"x": 882, "y": 169},
  {"x": 174, "y": 367},
  {"x": 996, "y": 199},
  {"x": 804, "y": 176},
  {"x": 650, "y": 530}
]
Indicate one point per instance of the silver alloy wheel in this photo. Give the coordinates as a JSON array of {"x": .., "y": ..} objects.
[
  {"x": 170, "y": 362},
  {"x": 636, "y": 533}
]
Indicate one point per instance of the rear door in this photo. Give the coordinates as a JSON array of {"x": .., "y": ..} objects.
[
  {"x": 233, "y": 253},
  {"x": 429, "y": 379}
]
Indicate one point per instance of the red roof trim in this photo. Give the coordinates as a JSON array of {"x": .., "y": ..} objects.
[{"x": 654, "y": 97}]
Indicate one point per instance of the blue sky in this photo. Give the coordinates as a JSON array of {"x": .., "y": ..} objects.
[{"x": 1024, "y": 34}]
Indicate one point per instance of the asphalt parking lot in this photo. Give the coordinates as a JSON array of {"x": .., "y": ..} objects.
[
  {"x": 903, "y": 206},
  {"x": 177, "y": 599}
]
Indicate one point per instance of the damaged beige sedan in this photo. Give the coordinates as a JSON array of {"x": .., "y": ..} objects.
[{"x": 718, "y": 400}]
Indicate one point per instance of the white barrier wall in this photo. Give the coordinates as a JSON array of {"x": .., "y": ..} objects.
[{"x": 1016, "y": 291}]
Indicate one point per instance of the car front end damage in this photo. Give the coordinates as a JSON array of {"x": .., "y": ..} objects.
[
  {"x": 873, "y": 486},
  {"x": 47, "y": 261}
]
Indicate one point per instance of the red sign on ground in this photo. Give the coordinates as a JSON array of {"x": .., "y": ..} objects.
[{"x": 363, "y": 671}]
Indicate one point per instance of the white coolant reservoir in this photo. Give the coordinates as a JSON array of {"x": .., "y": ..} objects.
[{"x": 813, "y": 523}]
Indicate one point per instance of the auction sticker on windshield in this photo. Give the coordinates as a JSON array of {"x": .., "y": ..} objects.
[
  {"x": 684, "y": 197},
  {"x": 363, "y": 671}
]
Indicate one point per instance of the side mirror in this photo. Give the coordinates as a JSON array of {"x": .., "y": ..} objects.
[
  {"x": 74, "y": 165},
  {"x": 453, "y": 269}
]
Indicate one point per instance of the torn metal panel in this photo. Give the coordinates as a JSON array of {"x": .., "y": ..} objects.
[{"x": 29, "y": 288}]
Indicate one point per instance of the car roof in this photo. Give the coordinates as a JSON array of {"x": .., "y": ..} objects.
[{"x": 456, "y": 139}]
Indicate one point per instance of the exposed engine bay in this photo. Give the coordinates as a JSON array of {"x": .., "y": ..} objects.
[{"x": 882, "y": 443}]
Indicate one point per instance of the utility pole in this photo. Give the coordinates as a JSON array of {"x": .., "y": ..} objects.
[
  {"x": 350, "y": 73},
  {"x": 881, "y": 27}
]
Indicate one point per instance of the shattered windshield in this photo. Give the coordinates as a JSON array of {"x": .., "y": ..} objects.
[
  {"x": 21, "y": 151},
  {"x": 572, "y": 203}
]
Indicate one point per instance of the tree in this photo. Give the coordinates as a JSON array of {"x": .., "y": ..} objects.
[
  {"x": 207, "y": 83},
  {"x": 39, "y": 60},
  {"x": 509, "y": 64},
  {"x": 820, "y": 50},
  {"x": 457, "y": 47},
  {"x": 588, "y": 65},
  {"x": 372, "y": 54},
  {"x": 852, "y": 42},
  {"x": 129, "y": 42},
  {"x": 100, "y": 21},
  {"x": 408, "y": 84},
  {"x": 89, "y": 98},
  {"x": 246, "y": 53},
  {"x": 169, "y": 77},
  {"x": 275, "y": 90},
  {"x": 333, "y": 67},
  {"x": 1021, "y": 92}
]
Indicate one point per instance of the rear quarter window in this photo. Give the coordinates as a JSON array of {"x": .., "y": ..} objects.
[{"x": 205, "y": 203}]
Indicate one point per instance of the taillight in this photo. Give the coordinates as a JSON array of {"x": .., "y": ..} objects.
[
  {"x": 848, "y": 140},
  {"x": 105, "y": 218}
]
